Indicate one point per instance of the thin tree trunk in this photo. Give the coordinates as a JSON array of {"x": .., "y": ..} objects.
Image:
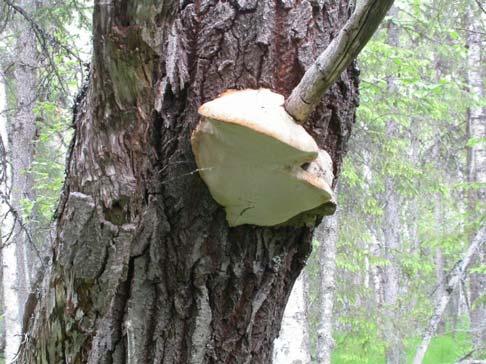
[
  {"x": 145, "y": 268},
  {"x": 22, "y": 135},
  {"x": 374, "y": 244},
  {"x": 327, "y": 234},
  {"x": 2, "y": 295},
  {"x": 477, "y": 166},
  {"x": 438, "y": 256},
  {"x": 455, "y": 276},
  {"x": 292, "y": 344},
  {"x": 391, "y": 230},
  {"x": 440, "y": 281},
  {"x": 9, "y": 252},
  {"x": 391, "y": 276}
]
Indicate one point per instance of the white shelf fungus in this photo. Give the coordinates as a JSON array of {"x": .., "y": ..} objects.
[{"x": 250, "y": 153}]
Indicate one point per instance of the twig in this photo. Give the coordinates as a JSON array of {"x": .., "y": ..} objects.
[{"x": 480, "y": 6}]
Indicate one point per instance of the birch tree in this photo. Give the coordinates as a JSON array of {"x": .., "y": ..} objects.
[
  {"x": 292, "y": 344},
  {"x": 476, "y": 122},
  {"x": 9, "y": 252},
  {"x": 455, "y": 276},
  {"x": 327, "y": 271},
  {"x": 391, "y": 231}
]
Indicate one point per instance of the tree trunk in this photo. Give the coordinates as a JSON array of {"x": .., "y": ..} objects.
[
  {"x": 145, "y": 268},
  {"x": 376, "y": 272},
  {"x": 2, "y": 295},
  {"x": 477, "y": 166},
  {"x": 438, "y": 256},
  {"x": 292, "y": 344},
  {"x": 327, "y": 234},
  {"x": 455, "y": 276},
  {"x": 11, "y": 312},
  {"x": 391, "y": 230},
  {"x": 22, "y": 135}
]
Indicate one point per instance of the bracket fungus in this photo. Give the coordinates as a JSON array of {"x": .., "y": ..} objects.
[{"x": 250, "y": 153}]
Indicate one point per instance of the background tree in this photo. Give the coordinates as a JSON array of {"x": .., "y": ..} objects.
[
  {"x": 427, "y": 161},
  {"x": 476, "y": 170},
  {"x": 35, "y": 71},
  {"x": 292, "y": 343}
]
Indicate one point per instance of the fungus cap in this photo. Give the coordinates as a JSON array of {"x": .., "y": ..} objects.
[{"x": 249, "y": 152}]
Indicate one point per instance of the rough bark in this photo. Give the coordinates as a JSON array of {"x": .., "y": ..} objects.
[
  {"x": 391, "y": 231},
  {"x": 477, "y": 166},
  {"x": 11, "y": 312},
  {"x": 145, "y": 268},
  {"x": 455, "y": 276},
  {"x": 292, "y": 343},
  {"x": 327, "y": 234}
]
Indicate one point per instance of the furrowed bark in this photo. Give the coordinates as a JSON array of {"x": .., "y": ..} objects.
[
  {"x": 145, "y": 268},
  {"x": 455, "y": 276},
  {"x": 338, "y": 55}
]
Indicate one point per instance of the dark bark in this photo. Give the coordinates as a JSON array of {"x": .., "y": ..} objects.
[{"x": 145, "y": 268}]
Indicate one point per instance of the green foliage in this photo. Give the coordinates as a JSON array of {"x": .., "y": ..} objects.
[
  {"x": 443, "y": 349},
  {"x": 362, "y": 345},
  {"x": 48, "y": 165},
  {"x": 59, "y": 75},
  {"x": 413, "y": 134},
  {"x": 367, "y": 348}
]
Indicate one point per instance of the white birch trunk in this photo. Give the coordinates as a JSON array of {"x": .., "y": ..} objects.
[
  {"x": 391, "y": 276},
  {"x": 477, "y": 162},
  {"x": 438, "y": 256},
  {"x": 9, "y": 255},
  {"x": 394, "y": 352},
  {"x": 455, "y": 276},
  {"x": 292, "y": 344},
  {"x": 327, "y": 270},
  {"x": 374, "y": 244},
  {"x": 377, "y": 271}
]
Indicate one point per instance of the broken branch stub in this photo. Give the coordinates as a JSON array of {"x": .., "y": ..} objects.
[
  {"x": 250, "y": 153},
  {"x": 336, "y": 57}
]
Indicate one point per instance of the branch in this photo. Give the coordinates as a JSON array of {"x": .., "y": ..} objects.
[
  {"x": 338, "y": 55},
  {"x": 481, "y": 6},
  {"x": 457, "y": 273},
  {"x": 38, "y": 29},
  {"x": 18, "y": 220},
  {"x": 45, "y": 38}
]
